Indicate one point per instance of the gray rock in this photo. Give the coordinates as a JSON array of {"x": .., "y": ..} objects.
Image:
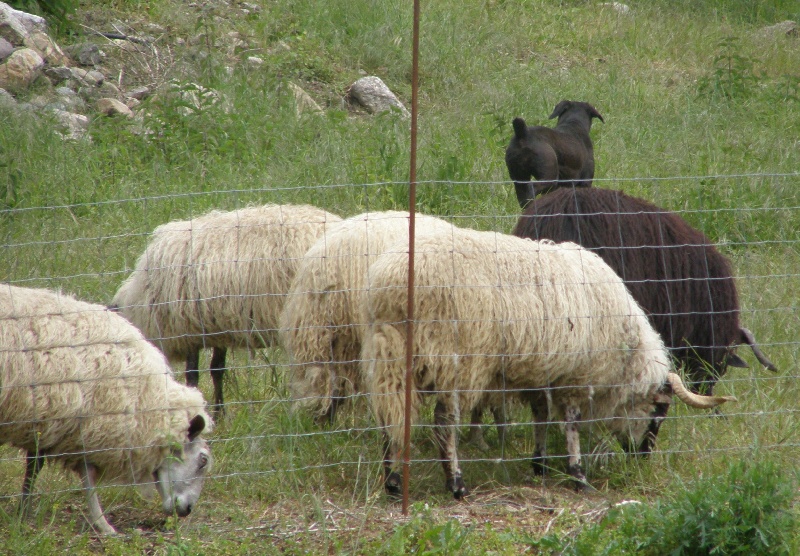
[
  {"x": 7, "y": 99},
  {"x": 20, "y": 69},
  {"x": 6, "y": 48},
  {"x": 303, "y": 101},
  {"x": 46, "y": 47},
  {"x": 74, "y": 126},
  {"x": 58, "y": 75},
  {"x": 86, "y": 54},
  {"x": 28, "y": 22},
  {"x": 67, "y": 99},
  {"x": 108, "y": 89},
  {"x": 94, "y": 78},
  {"x": 618, "y": 7},
  {"x": 16, "y": 25},
  {"x": 373, "y": 94},
  {"x": 113, "y": 107},
  {"x": 787, "y": 28},
  {"x": 139, "y": 93}
]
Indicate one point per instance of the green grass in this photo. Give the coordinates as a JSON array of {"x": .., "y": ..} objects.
[{"x": 702, "y": 116}]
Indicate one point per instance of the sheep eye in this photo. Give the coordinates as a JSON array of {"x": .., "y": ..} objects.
[{"x": 203, "y": 461}]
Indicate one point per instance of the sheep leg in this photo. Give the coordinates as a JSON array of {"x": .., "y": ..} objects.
[
  {"x": 447, "y": 438},
  {"x": 538, "y": 402},
  {"x": 34, "y": 461},
  {"x": 500, "y": 421},
  {"x": 88, "y": 474},
  {"x": 192, "y": 367},
  {"x": 217, "y": 372},
  {"x": 572, "y": 417},
  {"x": 475, "y": 435},
  {"x": 525, "y": 192},
  {"x": 393, "y": 483}
]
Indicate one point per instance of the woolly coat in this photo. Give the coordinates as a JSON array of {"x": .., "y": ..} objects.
[
  {"x": 219, "y": 280},
  {"x": 80, "y": 383},
  {"x": 320, "y": 324},
  {"x": 681, "y": 280},
  {"x": 496, "y": 311}
]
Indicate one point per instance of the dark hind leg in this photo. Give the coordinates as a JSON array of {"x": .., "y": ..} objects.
[
  {"x": 475, "y": 435},
  {"x": 192, "y": 366},
  {"x": 34, "y": 461},
  {"x": 538, "y": 403},
  {"x": 217, "y": 373},
  {"x": 393, "y": 482}
]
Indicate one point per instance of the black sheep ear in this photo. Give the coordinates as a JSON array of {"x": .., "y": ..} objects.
[
  {"x": 734, "y": 360},
  {"x": 593, "y": 113},
  {"x": 560, "y": 108},
  {"x": 196, "y": 426}
]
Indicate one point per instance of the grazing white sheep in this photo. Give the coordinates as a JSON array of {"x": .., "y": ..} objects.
[
  {"x": 320, "y": 326},
  {"x": 495, "y": 311},
  {"x": 80, "y": 384},
  {"x": 219, "y": 281}
]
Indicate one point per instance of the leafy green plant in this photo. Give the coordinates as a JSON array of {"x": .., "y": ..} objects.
[
  {"x": 423, "y": 536},
  {"x": 747, "y": 511},
  {"x": 732, "y": 73}
]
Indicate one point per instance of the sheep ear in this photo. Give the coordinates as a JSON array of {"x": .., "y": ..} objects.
[
  {"x": 593, "y": 113},
  {"x": 560, "y": 108},
  {"x": 196, "y": 426},
  {"x": 734, "y": 360}
]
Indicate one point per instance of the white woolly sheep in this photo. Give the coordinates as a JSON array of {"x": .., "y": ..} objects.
[
  {"x": 495, "y": 311},
  {"x": 80, "y": 384},
  {"x": 320, "y": 328},
  {"x": 219, "y": 281}
]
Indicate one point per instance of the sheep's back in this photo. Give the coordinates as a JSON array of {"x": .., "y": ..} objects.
[{"x": 222, "y": 279}]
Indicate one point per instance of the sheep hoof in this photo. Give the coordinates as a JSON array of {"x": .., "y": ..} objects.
[
  {"x": 393, "y": 485},
  {"x": 539, "y": 465},
  {"x": 458, "y": 488},
  {"x": 579, "y": 479}
]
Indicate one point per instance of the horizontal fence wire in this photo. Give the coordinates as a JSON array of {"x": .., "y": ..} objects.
[{"x": 299, "y": 396}]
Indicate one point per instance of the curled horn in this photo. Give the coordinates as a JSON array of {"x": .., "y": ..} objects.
[
  {"x": 750, "y": 340},
  {"x": 695, "y": 400}
]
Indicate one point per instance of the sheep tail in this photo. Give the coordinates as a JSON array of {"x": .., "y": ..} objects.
[{"x": 520, "y": 128}]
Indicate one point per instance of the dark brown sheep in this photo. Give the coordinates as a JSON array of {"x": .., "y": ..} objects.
[
  {"x": 560, "y": 154},
  {"x": 674, "y": 272}
]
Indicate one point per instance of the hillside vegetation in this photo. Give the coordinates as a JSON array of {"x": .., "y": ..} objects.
[{"x": 702, "y": 116}]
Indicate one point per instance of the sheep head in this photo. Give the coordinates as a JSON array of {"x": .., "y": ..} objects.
[
  {"x": 179, "y": 479},
  {"x": 571, "y": 111}
]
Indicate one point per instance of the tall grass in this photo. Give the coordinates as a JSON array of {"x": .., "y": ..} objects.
[{"x": 702, "y": 116}]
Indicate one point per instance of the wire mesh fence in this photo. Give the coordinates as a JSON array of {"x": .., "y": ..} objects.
[{"x": 289, "y": 318}]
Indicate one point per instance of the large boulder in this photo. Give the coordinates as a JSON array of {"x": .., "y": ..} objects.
[{"x": 20, "y": 69}]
